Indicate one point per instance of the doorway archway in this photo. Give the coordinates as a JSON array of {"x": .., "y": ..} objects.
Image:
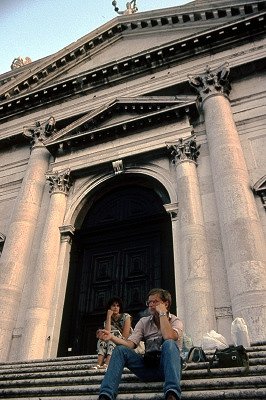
[{"x": 123, "y": 248}]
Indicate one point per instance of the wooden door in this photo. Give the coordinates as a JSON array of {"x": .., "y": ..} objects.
[{"x": 125, "y": 257}]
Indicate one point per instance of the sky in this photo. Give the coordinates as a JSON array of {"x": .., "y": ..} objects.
[{"x": 38, "y": 28}]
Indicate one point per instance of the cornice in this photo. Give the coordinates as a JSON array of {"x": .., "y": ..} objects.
[
  {"x": 142, "y": 63},
  {"x": 55, "y": 65}
]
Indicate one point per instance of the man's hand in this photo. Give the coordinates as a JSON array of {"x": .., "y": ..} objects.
[{"x": 161, "y": 307}]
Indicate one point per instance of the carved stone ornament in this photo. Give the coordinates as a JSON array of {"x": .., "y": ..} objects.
[
  {"x": 39, "y": 132},
  {"x": 131, "y": 7},
  {"x": 118, "y": 167},
  {"x": 19, "y": 62},
  {"x": 211, "y": 81},
  {"x": 59, "y": 181},
  {"x": 184, "y": 149}
]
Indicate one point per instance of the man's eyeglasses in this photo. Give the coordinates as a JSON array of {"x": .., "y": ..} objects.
[{"x": 149, "y": 302}]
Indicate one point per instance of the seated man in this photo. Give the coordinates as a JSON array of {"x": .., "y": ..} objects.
[{"x": 160, "y": 327}]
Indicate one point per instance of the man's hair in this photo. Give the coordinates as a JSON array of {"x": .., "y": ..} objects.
[
  {"x": 164, "y": 295},
  {"x": 115, "y": 300}
]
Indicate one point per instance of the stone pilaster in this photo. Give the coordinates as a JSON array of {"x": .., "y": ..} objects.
[
  {"x": 242, "y": 235},
  {"x": 16, "y": 251},
  {"x": 195, "y": 269},
  {"x": 67, "y": 233},
  {"x": 172, "y": 210},
  {"x": 34, "y": 340}
]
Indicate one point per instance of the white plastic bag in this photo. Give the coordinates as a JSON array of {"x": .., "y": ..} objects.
[
  {"x": 239, "y": 332},
  {"x": 213, "y": 340}
]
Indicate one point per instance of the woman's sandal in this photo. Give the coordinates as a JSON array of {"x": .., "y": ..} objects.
[{"x": 96, "y": 366}]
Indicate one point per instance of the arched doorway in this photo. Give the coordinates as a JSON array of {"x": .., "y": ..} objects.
[{"x": 123, "y": 248}]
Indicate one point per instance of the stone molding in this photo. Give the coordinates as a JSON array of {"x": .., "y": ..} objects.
[
  {"x": 260, "y": 189},
  {"x": 2, "y": 241},
  {"x": 222, "y": 312},
  {"x": 211, "y": 82},
  {"x": 172, "y": 210},
  {"x": 67, "y": 233},
  {"x": 59, "y": 181},
  {"x": 184, "y": 149}
]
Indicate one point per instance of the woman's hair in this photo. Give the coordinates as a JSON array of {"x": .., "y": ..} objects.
[
  {"x": 164, "y": 295},
  {"x": 115, "y": 300}
]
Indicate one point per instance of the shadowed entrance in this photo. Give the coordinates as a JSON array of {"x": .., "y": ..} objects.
[{"x": 124, "y": 248}]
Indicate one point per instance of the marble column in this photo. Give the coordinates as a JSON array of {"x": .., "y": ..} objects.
[
  {"x": 195, "y": 268},
  {"x": 34, "y": 337},
  {"x": 242, "y": 234},
  {"x": 16, "y": 251}
]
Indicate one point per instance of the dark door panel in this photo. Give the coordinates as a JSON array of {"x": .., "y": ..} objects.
[{"x": 124, "y": 258}]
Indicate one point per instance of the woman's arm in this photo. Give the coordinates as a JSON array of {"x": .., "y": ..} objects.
[
  {"x": 105, "y": 335},
  {"x": 108, "y": 320}
]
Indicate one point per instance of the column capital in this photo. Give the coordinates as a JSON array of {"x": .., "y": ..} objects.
[
  {"x": 59, "y": 181},
  {"x": 40, "y": 131},
  {"x": 184, "y": 149},
  {"x": 211, "y": 82}
]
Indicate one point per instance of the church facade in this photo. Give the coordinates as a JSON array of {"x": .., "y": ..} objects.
[{"x": 135, "y": 158}]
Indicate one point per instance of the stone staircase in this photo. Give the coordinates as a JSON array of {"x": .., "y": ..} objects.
[{"x": 71, "y": 379}]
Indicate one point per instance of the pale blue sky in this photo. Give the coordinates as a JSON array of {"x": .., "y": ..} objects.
[{"x": 37, "y": 28}]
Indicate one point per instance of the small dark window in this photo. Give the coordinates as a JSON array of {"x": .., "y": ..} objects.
[
  {"x": 186, "y": 18},
  {"x": 235, "y": 11},
  {"x": 164, "y": 21},
  {"x": 144, "y": 24},
  {"x": 175, "y": 19},
  {"x": 209, "y": 15},
  {"x": 248, "y": 9},
  {"x": 261, "y": 5},
  {"x": 197, "y": 17},
  {"x": 221, "y": 13}
]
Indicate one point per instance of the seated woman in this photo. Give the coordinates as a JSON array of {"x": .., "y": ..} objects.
[{"x": 119, "y": 324}]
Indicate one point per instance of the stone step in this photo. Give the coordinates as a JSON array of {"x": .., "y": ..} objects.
[
  {"x": 70, "y": 378},
  {"x": 19, "y": 377}
]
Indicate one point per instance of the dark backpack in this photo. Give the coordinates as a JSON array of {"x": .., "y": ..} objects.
[{"x": 196, "y": 354}]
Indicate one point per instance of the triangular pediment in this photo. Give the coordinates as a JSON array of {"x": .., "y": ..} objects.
[
  {"x": 121, "y": 117},
  {"x": 125, "y": 43}
]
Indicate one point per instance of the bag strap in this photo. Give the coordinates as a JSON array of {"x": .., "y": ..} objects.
[{"x": 211, "y": 362}]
